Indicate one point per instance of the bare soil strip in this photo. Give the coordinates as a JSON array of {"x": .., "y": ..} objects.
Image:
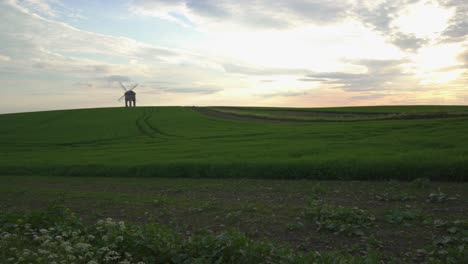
[
  {"x": 218, "y": 114},
  {"x": 233, "y": 116}
]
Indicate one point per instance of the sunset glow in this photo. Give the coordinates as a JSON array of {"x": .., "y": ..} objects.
[{"x": 71, "y": 54}]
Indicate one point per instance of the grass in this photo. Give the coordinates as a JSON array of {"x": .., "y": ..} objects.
[
  {"x": 180, "y": 142},
  {"x": 199, "y": 217},
  {"x": 220, "y": 190}
]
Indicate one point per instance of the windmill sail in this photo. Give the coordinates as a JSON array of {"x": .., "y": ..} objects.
[{"x": 123, "y": 87}]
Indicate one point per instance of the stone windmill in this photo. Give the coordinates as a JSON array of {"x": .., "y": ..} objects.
[{"x": 129, "y": 95}]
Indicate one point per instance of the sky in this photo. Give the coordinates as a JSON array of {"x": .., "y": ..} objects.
[{"x": 62, "y": 54}]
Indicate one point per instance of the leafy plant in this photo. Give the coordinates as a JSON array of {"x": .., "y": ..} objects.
[
  {"x": 450, "y": 245},
  {"x": 405, "y": 216},
  {"x": 350, "y": 221},
  {"x": 295, "y": 226},
  {"x": 317, "y": 191},
  {"x": 392, "y": 197},
  {"x": 392, "y": 193},
  {"x": 439, "y": 197}
]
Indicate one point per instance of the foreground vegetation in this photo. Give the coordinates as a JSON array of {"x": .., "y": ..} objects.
[
  {"x": 230, "y": 220},
  {"x": 57, "y": 236},
  {"x": 181, "y": 142}
]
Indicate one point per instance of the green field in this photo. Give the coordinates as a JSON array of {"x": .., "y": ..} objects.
[
  {"x": 365, "y": 143},
  {"x": 215, "y": 185}
]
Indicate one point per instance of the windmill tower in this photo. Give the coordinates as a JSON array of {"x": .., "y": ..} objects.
[{"x": 129, "y": 95}]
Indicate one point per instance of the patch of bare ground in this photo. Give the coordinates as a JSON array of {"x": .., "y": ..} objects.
[
  {"x": 271, "y": 210},
  {"x": 293, "y": 116}
]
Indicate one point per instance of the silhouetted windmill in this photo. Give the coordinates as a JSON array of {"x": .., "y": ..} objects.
[{"x": 130, "y": 95}]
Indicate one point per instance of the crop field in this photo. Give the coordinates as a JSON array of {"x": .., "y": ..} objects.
[
  {"x": 397, "y": 143},
  {"x": 235, "y": 185}
]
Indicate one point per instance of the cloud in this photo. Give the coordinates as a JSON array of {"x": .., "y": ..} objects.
[
  {"x": 258, "y": 70},
  {"x": 4, "y": 58},
  {"x": 198, "y": 90},
  {"x": 457, "y": 29},
  {"x": 118, "y": 78},
  {"x": 255, "y": 14},
  {"x": 368, "y": 97},
  {"x": 60, "y": 38},
  {"x": 400, "y": 21},
  {"x": 183, "y": 90},
  {"x": 380, "y": 75},
  {"x": 40, "y": 45},
  {"x": 41, "y": 7},
  {"x": 463, "y": 57},
  {"x": 410, "y": 24},
  {"x": 284, "y": 94}
]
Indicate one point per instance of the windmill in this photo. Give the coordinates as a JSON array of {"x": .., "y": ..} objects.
[{"x": 129, "y": 95}]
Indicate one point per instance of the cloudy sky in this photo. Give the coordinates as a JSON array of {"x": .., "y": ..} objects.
[{"x": 57, "y": 54}]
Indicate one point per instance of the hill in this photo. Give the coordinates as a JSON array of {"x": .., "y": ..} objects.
[{"x": 369, "y": 143}]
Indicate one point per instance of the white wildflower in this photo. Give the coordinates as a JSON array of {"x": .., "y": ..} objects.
[
  {"x": 112, "y": 255},
  {"x": 91, "y": 237},
  {"x": 82, "y": 246},
  {"x": 92, "y": 262},
  {"x": 43, "y": 231},
  {"x": 59, "y": 238},
  {"x": 104, "y": 249},
  {"x": 42, "y": 251},
  {"x": 119, "y": 238}
]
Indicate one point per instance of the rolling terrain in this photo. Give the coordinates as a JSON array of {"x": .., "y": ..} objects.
[
  {"x": 368, "y": 143},
  {"x": 198, "y": 201}
]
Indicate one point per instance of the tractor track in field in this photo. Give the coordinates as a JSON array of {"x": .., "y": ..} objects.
[
  {"x": 146, "y": 128},
  {"x": 241, "y": 117}
]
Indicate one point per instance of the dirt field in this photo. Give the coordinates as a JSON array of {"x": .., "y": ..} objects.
[{"x": 266, "y": 210}]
